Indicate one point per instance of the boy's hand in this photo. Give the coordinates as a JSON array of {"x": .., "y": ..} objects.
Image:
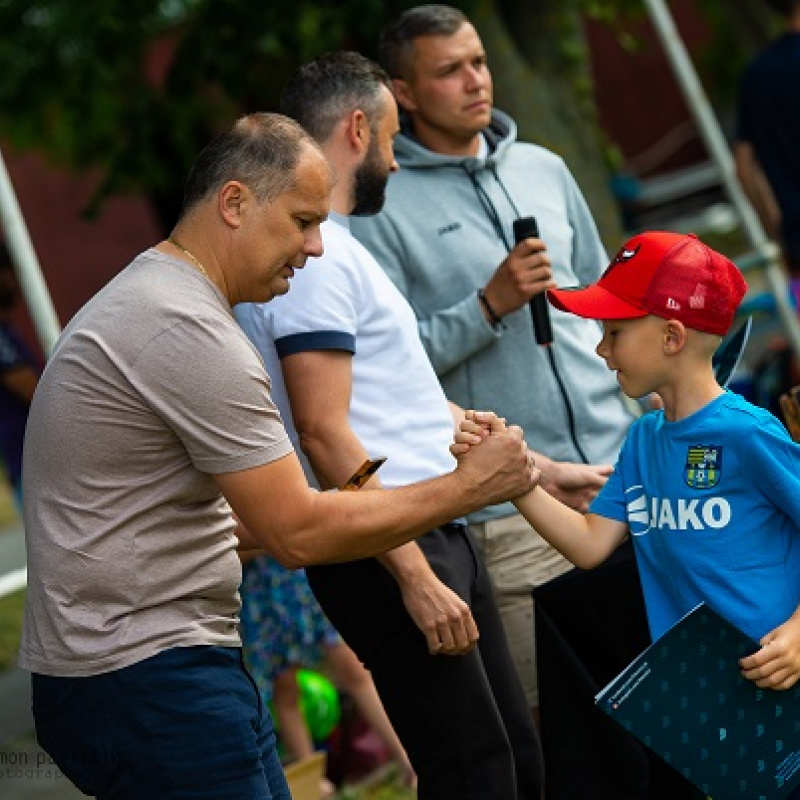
[
  {"x": 777, "y": 664},
  {"x": 575, "y": 485},
  {"x": 474, "y": 427}
]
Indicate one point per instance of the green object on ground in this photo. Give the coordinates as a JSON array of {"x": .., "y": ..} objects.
[{"x": 319, "y": 701}]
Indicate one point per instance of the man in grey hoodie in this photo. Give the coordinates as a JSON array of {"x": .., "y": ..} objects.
[{"x": 445, "y": 237}]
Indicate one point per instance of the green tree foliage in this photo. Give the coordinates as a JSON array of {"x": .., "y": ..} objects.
[{"x": 136, "y": 87}]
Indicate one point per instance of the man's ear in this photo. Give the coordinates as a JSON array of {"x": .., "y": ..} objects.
[
  {"x": 232, "y": 201},
  {"x": 358, "y": 131},
  {"x": 403, "y": 94},
  {"x": 674, "y": 337}
]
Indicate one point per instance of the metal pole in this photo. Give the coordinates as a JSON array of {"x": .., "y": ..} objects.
[
  {"x": 29, "y": 273},
  {"x": 720, "y": 152}
]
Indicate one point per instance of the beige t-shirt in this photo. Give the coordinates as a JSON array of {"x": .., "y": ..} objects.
[{"x": 151, "y": 390}]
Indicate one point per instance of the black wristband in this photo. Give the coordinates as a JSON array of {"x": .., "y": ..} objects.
[{"x": 495, "y": 320}]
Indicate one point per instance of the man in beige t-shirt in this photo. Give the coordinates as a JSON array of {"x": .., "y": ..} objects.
[{"x": 152, "y": 422}]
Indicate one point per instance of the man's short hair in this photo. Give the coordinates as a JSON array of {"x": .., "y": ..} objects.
[
  {"x": 331, "y": 86},
  {"x": 397, "y": 40},
  {"x": 260, "y": 150}
]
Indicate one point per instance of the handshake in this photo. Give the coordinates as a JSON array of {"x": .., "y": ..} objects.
[
  {"x": 476, "y": 426},
  {"x": 495, "y": 456},
  {"x": 573, "y": 484}
]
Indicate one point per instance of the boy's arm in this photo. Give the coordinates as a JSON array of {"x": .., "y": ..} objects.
[
  {"x": 777, "y": 664},
  {"x": 575, "y": 485},
  {"x": 774, "y": 463},
  {"x": 587, "y": 540}
]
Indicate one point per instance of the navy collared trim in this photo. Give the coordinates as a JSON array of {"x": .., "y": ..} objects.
[{"x": 317, "y": 340}]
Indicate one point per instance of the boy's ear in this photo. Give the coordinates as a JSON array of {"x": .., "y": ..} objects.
[{"x": 674, "y": 337}]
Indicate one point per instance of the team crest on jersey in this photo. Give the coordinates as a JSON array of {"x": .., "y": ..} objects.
[{"x": 703, "y": 466}]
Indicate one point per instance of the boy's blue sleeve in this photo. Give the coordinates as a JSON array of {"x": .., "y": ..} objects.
[{"x": 773, "y": 461}]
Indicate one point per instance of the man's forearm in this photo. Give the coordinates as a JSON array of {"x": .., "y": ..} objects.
[
  {"x": 443, "y": 617},
  {"x": 405, "y": 563},
  {"x": 300, "y": 527},
  {"x": 334, "y": 454},
  {"x": 353, "y": 525}
]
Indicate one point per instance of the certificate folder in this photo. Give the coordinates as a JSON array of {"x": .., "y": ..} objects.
[{"x": 684, "y": 698}]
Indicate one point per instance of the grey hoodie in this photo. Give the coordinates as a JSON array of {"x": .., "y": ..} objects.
[{"x": 436, "y": 240}]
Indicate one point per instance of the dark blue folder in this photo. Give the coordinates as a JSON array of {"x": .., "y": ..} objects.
[{"x": 685, "y": 698}]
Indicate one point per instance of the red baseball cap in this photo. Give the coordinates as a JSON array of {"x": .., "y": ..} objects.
[{"x": 671, "y": 275}]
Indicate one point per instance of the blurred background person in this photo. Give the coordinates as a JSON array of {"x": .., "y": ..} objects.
[
  {"x": 19, "y": 374},
  {"x": 284, "y": 630},
  {"x": 766, "y": 152}
]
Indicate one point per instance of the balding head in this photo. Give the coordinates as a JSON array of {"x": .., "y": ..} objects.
[{"x": 259, "y": 150}]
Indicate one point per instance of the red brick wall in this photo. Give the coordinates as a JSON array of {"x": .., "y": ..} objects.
[
  {"x": 638, "y": 96},
  {"x": 77, "y": 256}
]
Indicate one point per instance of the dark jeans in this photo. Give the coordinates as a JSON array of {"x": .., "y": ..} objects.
[
  {"x": 462, "y": 719},
  {"x": 186, "y": 723}
]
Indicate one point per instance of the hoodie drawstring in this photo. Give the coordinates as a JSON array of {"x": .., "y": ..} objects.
[{"x": 491, "y": 212}]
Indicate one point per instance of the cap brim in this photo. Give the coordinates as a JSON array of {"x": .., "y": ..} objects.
[{"x": 593, "y": 302}]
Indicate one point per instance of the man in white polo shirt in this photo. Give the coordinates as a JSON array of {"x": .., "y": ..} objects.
[{"x": 357, "y": 383}]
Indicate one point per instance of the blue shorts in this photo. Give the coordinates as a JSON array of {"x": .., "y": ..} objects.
[{"x": 186, "y": 723}]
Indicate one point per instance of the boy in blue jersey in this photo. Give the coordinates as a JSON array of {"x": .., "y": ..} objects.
[{"x": 707, "y": 487}]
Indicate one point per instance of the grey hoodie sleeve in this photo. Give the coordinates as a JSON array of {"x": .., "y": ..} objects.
[{"x": 451, "y": 334}]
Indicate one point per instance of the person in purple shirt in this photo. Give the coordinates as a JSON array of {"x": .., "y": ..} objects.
[{"x": 19, "y": 374}]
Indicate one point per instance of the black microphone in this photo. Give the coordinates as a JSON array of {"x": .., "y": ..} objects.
[{"x": 526, "y": 228}]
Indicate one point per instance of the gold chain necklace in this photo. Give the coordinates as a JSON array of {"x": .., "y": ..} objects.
[{"x": 191, "y": 256}]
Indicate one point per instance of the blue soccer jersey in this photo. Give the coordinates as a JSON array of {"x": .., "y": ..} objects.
[{"x": 713, "y": 506}]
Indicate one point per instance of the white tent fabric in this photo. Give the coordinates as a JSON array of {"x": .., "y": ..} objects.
[{"x": 31, "y": 280}]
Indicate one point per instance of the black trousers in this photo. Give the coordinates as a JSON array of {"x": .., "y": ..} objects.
[
  {"x": 589, "y": 626},
  {"x": 462, "y": 719}
]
